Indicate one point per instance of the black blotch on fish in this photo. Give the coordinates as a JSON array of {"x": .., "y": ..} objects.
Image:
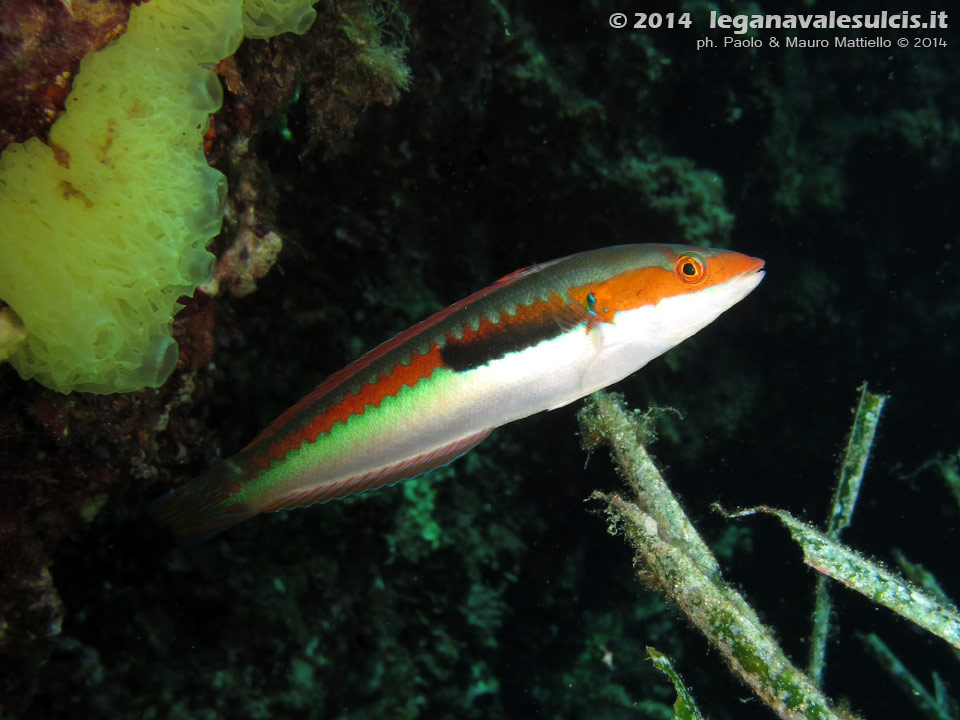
[{"x": 504, "y": 338}]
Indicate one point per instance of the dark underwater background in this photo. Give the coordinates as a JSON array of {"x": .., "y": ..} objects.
[{"x": 479, "y": 138}]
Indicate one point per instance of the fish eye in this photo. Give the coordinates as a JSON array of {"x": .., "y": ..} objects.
[{"x": 690, "y": 268}]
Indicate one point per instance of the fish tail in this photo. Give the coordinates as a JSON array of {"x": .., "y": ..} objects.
[{"x": 202, "y": 508}]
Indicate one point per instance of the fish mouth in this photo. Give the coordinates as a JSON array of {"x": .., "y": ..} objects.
[
  {"x": 756, "y": 271},
  {"x": 756, "y": 267},
  {"x": 737, "y": 268},
  {"x": 739, "y": 286},
  {"x": 752, "y": 278}
]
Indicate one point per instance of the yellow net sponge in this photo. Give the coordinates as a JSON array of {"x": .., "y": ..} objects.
[
  {"x": 266, "y": 18},
  {"x": 105, "y": 228}
]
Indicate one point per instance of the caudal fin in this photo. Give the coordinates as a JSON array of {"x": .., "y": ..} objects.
[{"x": 203, "y": 507}]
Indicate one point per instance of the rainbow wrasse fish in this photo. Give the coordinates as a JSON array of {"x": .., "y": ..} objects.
[{"x": 536, "y": 340}]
